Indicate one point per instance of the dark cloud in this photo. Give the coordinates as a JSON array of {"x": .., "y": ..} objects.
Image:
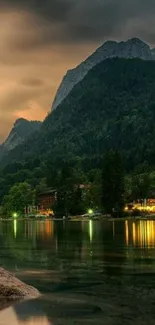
[
  {"x": 56, "y": 10},
  {"x": 41, "y": 39},
  {"x": 85, "y": 20}
]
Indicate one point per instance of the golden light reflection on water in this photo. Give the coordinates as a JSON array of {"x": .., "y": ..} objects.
[
  {"x": 90, "y": 230},
  {"x": 140, "y": 233},
  {"x": 40, "y": 228},
  {"x": 9, "y": 317},
  {"x": 134, "y": 233},
  {"x": 126, "y": 232},
  {"x": 15, "y": 227}
]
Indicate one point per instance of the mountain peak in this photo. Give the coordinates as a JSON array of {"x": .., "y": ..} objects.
[
  {"x": 109, "y": 43},
  {"x": 136, "y": 40},
  {"x": 20, "y": 120},
  {"x": 132, "y": 48},
  {"x": 22, "y": 128}
]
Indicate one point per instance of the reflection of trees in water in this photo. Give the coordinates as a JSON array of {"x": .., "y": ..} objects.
[
  {"x": 113, "y": 241},
  {"x": 103, "y": 245},
  {"x": 69, "y": 239},
  {"x": 83, "y": 251},
  {"x": 43, "y": 244},
  {"x": 90, "y": 246},
  {"x": 16, "y": 250},
  {"x": 31, "y": 312},
  {"x": 61, "y": 242},
  {"x": 20, "y": 244}
]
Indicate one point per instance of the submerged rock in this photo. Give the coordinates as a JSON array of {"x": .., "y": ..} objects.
[{"x": 12, "y": 289}]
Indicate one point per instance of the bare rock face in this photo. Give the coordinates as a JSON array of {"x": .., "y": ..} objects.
[
  {"x": 133, "y": 48},
  {"x": 153, "y": 53},
  {"x": 12, "y": 289},
  {"x": 22, "y": 128}
]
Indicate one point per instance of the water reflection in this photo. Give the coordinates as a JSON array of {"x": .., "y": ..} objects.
[
  {"x": 15, "y": 227},
  {"x": 89, "y": 247},
  {"x": 100, "y": 258},
  {"x": 140, "y": 233},
  {"x": 13, "y": 317},
  {"x": 90, "y": 230}
]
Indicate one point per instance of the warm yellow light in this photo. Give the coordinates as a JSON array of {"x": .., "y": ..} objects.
[
  {"x": 134, "y": 233},
  {"x": 141, "y": 232},
  {"x": 148, "y": 208},
  {"x": 127, "y": 232},
  {"x": 90, "y": 230},
  {"x": 15, "y": 215},
  {"x": 15, "y": 228}
]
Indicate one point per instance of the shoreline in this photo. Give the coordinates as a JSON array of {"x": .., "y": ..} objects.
[{"x": 74, "y": 219}]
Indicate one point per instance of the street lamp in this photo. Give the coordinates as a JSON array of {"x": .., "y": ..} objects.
[
  {"x": 90, "y": 211},
  {"x": 15, "y": 215}
]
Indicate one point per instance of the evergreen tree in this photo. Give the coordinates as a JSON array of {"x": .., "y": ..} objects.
[
  {"x": 141, "y": 186},
  {"x": 113, "y": 183},
  {"x": 77, "y": 202}
]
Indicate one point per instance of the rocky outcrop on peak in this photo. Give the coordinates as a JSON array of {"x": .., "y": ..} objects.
[
  {"x": 22, "y": 128},
  {"x": 133, "y": 48}
]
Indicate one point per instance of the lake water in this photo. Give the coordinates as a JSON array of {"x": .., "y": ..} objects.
[{"x": 90, "y": 272}]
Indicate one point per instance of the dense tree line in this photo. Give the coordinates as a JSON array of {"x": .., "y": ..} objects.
[
  {"x": 107, "y": 189},
  {"x": 112, "y": 108}
]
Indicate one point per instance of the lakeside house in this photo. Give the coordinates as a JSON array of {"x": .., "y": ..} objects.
[
  {"x": 147, "y": 205},
  {"x": 46, "y": 200}
]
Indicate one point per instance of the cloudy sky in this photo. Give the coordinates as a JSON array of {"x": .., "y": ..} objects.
[{"x": 41, "y": 39}]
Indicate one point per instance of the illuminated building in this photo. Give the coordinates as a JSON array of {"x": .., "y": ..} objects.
[
  {"x": 46, "y": 201},
  {"x": 146, "y": 205}
]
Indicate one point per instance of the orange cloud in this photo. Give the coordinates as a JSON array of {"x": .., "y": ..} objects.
[{"x": 31, "y": 68}]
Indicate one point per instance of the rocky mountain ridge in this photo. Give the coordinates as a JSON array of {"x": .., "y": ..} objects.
[
  {"x": 133, "y": 48},
  {"x": 112, "y": 107},
  {"x": 22, "y": 128}
]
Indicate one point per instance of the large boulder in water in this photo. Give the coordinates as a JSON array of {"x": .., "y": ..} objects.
[{"x": 12, "y": 289}]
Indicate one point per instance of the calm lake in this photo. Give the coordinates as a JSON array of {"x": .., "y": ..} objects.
[{"x": 90, "y": 272}]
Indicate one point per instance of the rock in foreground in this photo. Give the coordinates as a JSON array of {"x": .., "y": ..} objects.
[{"x": 12, "y": 289}]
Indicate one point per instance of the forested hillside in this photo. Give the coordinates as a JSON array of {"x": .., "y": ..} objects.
[
  {"x": 113, "y": 107},
  {"x": 22, "y": 128}
]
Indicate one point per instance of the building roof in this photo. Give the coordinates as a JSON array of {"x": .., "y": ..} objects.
[{"x": 47, "y": 192}]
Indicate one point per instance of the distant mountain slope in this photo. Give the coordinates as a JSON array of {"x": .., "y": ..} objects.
[
  {"x": 133, "y": 48},
  {"x": 21, "y": 129},
  {"x": 112, "y": 107}
]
